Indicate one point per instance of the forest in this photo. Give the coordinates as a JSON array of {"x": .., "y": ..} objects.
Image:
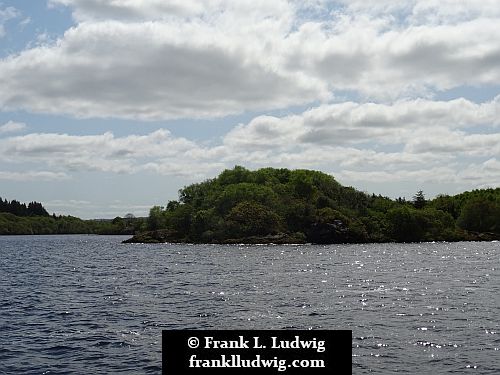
[
  {"x": 280, "y": 206},
  {"x": 304, "y": 206},
  {"x": 18, "y": 218}
]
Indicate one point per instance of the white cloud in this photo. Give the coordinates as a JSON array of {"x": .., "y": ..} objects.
[
  {"x": 452, "y": 11},
  {"x": 25, "y": 22},
  {"x": 85, "y": 10},
  {"x": 213, "y": 11},
  {"x": 352, "y": 139},
  {"x": 93, "y": 210},
  {"x": 481, "y": 175},
  {"x": 383, "y": 61},
  {"x": 444, "y": 141},
  {"x": 421, "y": 11},
  {"x": 355, "y": 123},
  {"x": 157, "y": 60},
  {"x": 73, "y": 203},
  {"x": 6, "y": 14},
  {"x": 33, "y": 176},
  {"x": 435, "y": 175},
  {"x": 12, "y": 127},
  {"x": 148, "y": 71},
  {"x": 157, "y": 151}
]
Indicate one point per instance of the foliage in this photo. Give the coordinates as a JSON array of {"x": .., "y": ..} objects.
[
  {"x": 281, "y": 205},
  {"x": 21, "y": 209},
  {"x": 480, "y": 215},
  {"x": 419, "y": 200},
  {"x": 32, "y": 218},
  {"x": 12, "y": 224},
  {"x": 240, "y": 205},
  {"x": 250, "y": 218}
]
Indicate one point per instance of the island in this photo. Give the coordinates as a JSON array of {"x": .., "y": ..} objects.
[{"x": 283, "y": 206}]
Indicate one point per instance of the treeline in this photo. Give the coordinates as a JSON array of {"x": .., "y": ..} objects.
[
  {"x": 20, "y": 219},
  {"x": 21, "y": 209},
  {"x": 25, "y": 225},
  {"x": 284, "y": 206}
]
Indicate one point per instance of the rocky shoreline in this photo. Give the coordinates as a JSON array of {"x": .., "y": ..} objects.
[{"x": 169, "y": 236}]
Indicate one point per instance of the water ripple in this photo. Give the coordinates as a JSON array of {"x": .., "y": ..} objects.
[{"x": 87, "y": 304}]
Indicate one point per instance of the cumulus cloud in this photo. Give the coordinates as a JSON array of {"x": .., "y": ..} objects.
[
  {"x": 162, "y": 60},
  {"x": 85, "y": 10},
  {"x": 355, "y": 141},
  {"x": 377, "y": 142},
  {"x": 452, "y": 11},
  {"x": 444, "y": 141},
  {"x": 419, "y": 11},
  {"x": 12, "y": 127},
  {"x": 147, "y": 71},
  {"x": 385, "y": 62},
  {"x": 355, "y": 123},
  {"x": 105, "y": 152},
  {"x": 436, "y": 174},
  {"x": 157, "y": 60},
  {"x": 140, "y": 10}
]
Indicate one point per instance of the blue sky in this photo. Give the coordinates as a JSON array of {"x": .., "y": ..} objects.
[{"x": 109, "y": 107}]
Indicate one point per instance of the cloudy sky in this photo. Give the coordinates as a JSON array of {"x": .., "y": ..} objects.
[{"x": 110, "y": 106}]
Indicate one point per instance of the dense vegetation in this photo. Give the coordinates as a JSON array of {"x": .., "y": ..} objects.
[
  {"x": 21, "y": 209},
  {"x": 33, "y": 218},
  {"x": 284, "y": 206}
]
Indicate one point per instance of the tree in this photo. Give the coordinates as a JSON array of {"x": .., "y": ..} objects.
[
  {"x": 405, "y": 226},
  {"x": 447, "y": 204},
  {"x": 172, "y": 205},
  {"x": 236, "y": 193},
  {"x": 241, "y": 203},
  {"x": 419, "y": 200},
  {"x": 252, "y": 219},
  {"x": 181, "y": 219},
  {"x": 236, "y": 175},
  {"x": 156, "y": 218},
  {"x": 480, "y": 215},
  {"x": 302, "y": 184}
]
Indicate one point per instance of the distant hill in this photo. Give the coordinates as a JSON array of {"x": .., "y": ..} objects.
[{"x": 299, "y": 206}]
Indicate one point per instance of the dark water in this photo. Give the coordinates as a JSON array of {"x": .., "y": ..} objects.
[{"x": 85, "y": 304}]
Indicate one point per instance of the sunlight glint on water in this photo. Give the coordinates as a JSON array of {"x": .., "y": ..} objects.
[{"x": 86, "y": 303}]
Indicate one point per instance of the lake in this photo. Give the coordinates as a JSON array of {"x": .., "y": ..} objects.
[{"x": 89, "y": 304}]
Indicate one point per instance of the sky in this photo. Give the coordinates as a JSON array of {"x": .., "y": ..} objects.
[{"x": 109, "y": 107}]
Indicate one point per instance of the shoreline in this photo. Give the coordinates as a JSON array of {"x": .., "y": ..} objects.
[{"x": 163, "y": 236}]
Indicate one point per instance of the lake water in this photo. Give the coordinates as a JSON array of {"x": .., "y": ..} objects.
[{"x": 89, "y": 304}]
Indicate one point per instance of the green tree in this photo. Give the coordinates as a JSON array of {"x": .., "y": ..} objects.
[
  {"x": 233, "y": 194},
  {"x": 235, "y": 176},
  {"x": 180, "y": 220},
  {"x": 405, "y": 227},
  {"x": 480, "y": 215},
  {"x": 419, "y": 200},
  {"x": 302, "y": 184},
  {"x": 156, "y": 218},
  {"x": 447, "y": 204},
  {"x": 252, "y": 219}
]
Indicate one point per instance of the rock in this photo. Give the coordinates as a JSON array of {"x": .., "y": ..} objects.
[{"x": 156, "y": 236}]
